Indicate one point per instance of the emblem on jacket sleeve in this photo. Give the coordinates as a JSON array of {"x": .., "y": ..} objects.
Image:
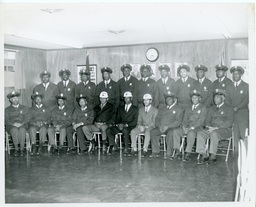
[
  {"x": 241, "y": 92},
  {"x": 189, "y": 85},
  {"x": 65, "y": 113}
]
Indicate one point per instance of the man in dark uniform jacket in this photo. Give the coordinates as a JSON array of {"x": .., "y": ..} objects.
[
  {"x": 48, "y": 89},
  {"x": 61, "y": 118},
  {"x": 126, "y": 120},
  {"x": 204, "y": 85},
  {"x": 67, "y": 87},
  {"x": 103, "y": 118},
  {"x": 81, "y": 117},
  {"x": 222, "y": 80},
  {"x": 183, "y": 87},
  {"x": 168, "y": 119},
  {"x": 192, "y": 122},
  {"x": 39, "y": 120},
  {"x": 146, "y": 85},
  {"x": 127, "y": 83},
  {"x": 165, "y": 85},
  {"x": 108, "y": 85},
  {"x": 86, "y": 87},
  {"x": 16, "y": 119},
  {"x": 218, "y": 126},
  {"x": 238, "y": 97}
]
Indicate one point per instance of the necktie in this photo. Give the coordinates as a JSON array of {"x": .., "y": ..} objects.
[
  {"x": 106, "y": 84},
  {"x": 219, "y": 80},
  {"x": 183, "y": 80},
  {"x": 236, "y": 84},
  {"x": 44, "y": 86},
  {"x": 65, "y": 84},
  {"x": 101, "y": 106},
  {"x": 144, "y": 79},
  {"x": 146, "y": 109},
  {"x": 193, "y": 108},
  {"x": 126, "y": 108}
]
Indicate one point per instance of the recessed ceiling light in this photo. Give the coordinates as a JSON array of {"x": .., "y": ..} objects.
[
  {"x": 51, "y": 11},
  {"x": 116, "y": 31}
]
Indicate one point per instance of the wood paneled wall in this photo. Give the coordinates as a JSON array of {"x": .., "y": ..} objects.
[{"x": 194, "y": 52}]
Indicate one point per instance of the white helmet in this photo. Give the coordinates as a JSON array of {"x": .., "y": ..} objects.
[
  {"x": 147, "y": 96},
  {"x": 103, "y": 94},
  {"x": 127, "y": 94}
]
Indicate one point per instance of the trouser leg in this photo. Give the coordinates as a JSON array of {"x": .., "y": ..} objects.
[
  {"x": 147, "y": 139},
  {"x": 63, "y": 134},
  {"x": 14, "y": 134},
  {"x": 169, "y": 142},
  {"x": 177, "y": 134},
  {"x": 103, "y": 131},
  {"x": 191, "y": 135},
  {"x": 201, "y": 138},
  {"x": 32, "y": 134},
  {"x": 22, "y": 137},
  {"x": 81, "y": 137},
  {"x": 42, "y": 134},
  {"x": 155, "y": 135},
  {"x": 51, "y": 135},
  {"x": 70, "y": 132},
  {"x": 216, "y": 136},
  {"x": 111, "y": 132},
  {"x": 134, "y": 133},
  {"x": 126, "y": 131}
]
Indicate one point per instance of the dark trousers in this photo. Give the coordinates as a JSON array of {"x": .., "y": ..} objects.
[
  {"x": 42, "y": 134},
  {"x": 80, "y": 137},
  {"x": 112, "y": 131}
]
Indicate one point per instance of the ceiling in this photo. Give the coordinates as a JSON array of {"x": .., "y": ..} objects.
[{"x": 84, "y": 25}]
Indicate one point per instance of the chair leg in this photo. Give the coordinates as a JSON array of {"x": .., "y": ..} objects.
[
  {"x": 139, "y": 142},
  {"x": 7, "y": 143},
  {"x": 229, "y": 142},
  {"x": 98, "y": 137},
  {"x": 164, "y": 143}
]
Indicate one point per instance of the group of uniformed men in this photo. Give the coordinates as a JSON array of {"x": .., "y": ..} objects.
[{"x": 199, "y": 109}]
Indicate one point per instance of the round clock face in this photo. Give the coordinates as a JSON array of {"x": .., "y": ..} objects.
[{"x": 152, "y": 54}]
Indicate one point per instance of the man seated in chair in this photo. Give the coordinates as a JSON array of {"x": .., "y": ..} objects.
[
  {"x": 81, "y": 117},
  {"x": 168, "y": 119},
  {"x": 61, "y": 118},
  {"x": 146, "y": 122},
  {"x": 126, "y": 120},
  {"x": 218, "y": 126},
  {"x": 16, "y": 118},
  {"x": 39, "y": 120},
  {"x": 193, "y": 121},
  {"x": 104, "y": 116}
]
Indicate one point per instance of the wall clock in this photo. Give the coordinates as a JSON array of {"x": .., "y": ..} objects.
[{"x": 152, "y": 54}]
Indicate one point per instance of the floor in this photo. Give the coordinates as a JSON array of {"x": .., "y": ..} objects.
[{"x": 96, "y": 177}]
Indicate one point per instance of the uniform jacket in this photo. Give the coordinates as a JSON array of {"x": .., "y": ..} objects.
[
  {"x": 112, "y": 90},
  {"x": 49, "y": 94},
  {"x": 148, "y": 86},
  {"x": 19, "y": 115},
  {"x": 163, "y": 89},
  {"x": 39, "y": 114},
  {"x": 223, "y": 84},
  {"x": 195, "y": 118},
  {"x": 85, "y": 116},
  {"x": 169, "y": 117},
  {"x": 182, "y": 90},
  {"x": 206, "y": 89},
  {"x": 68, "y": 91},
  {"x": 106, "y": 115},
  {"x": 130, "y": 117},
  {"x": 88, "y": 90},
  {"x": 131, "y": 85},
  {"x": 221, "y": 118},
  {"x": 61, "y": 117},
  {"x": 238, "y": 97},
  {"x": 147, "y": 119}
]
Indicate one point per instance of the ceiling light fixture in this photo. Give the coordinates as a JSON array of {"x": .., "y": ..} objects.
[
  {"x": 51, "y": 11},
  {"x": 116, "y": 31}
]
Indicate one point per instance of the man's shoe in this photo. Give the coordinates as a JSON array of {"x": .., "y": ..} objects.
[
  {"x": 177, "y": 155},
  {"x": 40, "y": 149},
  {"x": 169, "y": 157},
  {"x": 212, "y": 159},
  {"x": 144, "y": 154},
  {"x": 104, "y": 148},
  {"x": 203, "y": 160},
  {"x": 16, "y": 153},
  {"x": 154, "y": 155},
  {"x": 60, "y": 150},
  {"x": 187, "y": 157},
  {"x": 33, "y": 149},
  {"x": 134, "y": 152},
  {"x": 21, "y": 153},
  {"x": 110, "y": 151},
  {"x": 126, "y": 153}
]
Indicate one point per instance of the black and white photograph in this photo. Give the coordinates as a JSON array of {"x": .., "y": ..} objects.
[{"x": 128, "y": 103}]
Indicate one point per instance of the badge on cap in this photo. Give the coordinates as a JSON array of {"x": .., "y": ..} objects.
[
  {"x": 61, "y": 95},
  {"x": 65, "y": 113},
  {"x": 167, "y": 87},
  {"x": 189, "y": 85},
  {"x": 45, "y": 72},
  {"x": 13, "y": 92},
  {"x": 241, "y": 92},
  {"x": 68, "y": 89},
  {"x": 37, "y": 93}
]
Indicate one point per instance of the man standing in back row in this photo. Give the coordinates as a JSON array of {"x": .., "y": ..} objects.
[
  {"x": 48, "y": 89},
  {"x": 238, "y": 97},
  {"x": 222, "y": 81}
]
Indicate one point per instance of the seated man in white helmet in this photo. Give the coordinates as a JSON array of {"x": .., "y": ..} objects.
[{"x": 146, "y": 122}]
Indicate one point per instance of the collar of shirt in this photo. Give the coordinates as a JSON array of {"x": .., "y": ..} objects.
[
  {"x": 127, "y": 78},
  {"x": 145, "y": 79},
  {"x": 220, "y": 105},
  {"x": 201, "y": 80},
  {"x": 102, "y": 105},
  {"x": 107, "y": 81},
  {"x": 128, "y": 106},
  {"x": 85, "y": 83},
  {"x": 221, "y": 79},
  {"x": 67, "y": 81},
  {"x": 46, "y": 84},
  {"x": 184, "y": 79},
  {"x": 238, "y": 83},
  {"x": 165, "y": 80},
  {"x": 147, "y": 108},
  {"x": 84, "y": 108},
  {"x": 61, "y": 108},
  {"x": 169, "y": 107},
  {"x": 195, "y": 106},
  {"x": 17, "y": 106},
  {"x": 39, "y": 106}
]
